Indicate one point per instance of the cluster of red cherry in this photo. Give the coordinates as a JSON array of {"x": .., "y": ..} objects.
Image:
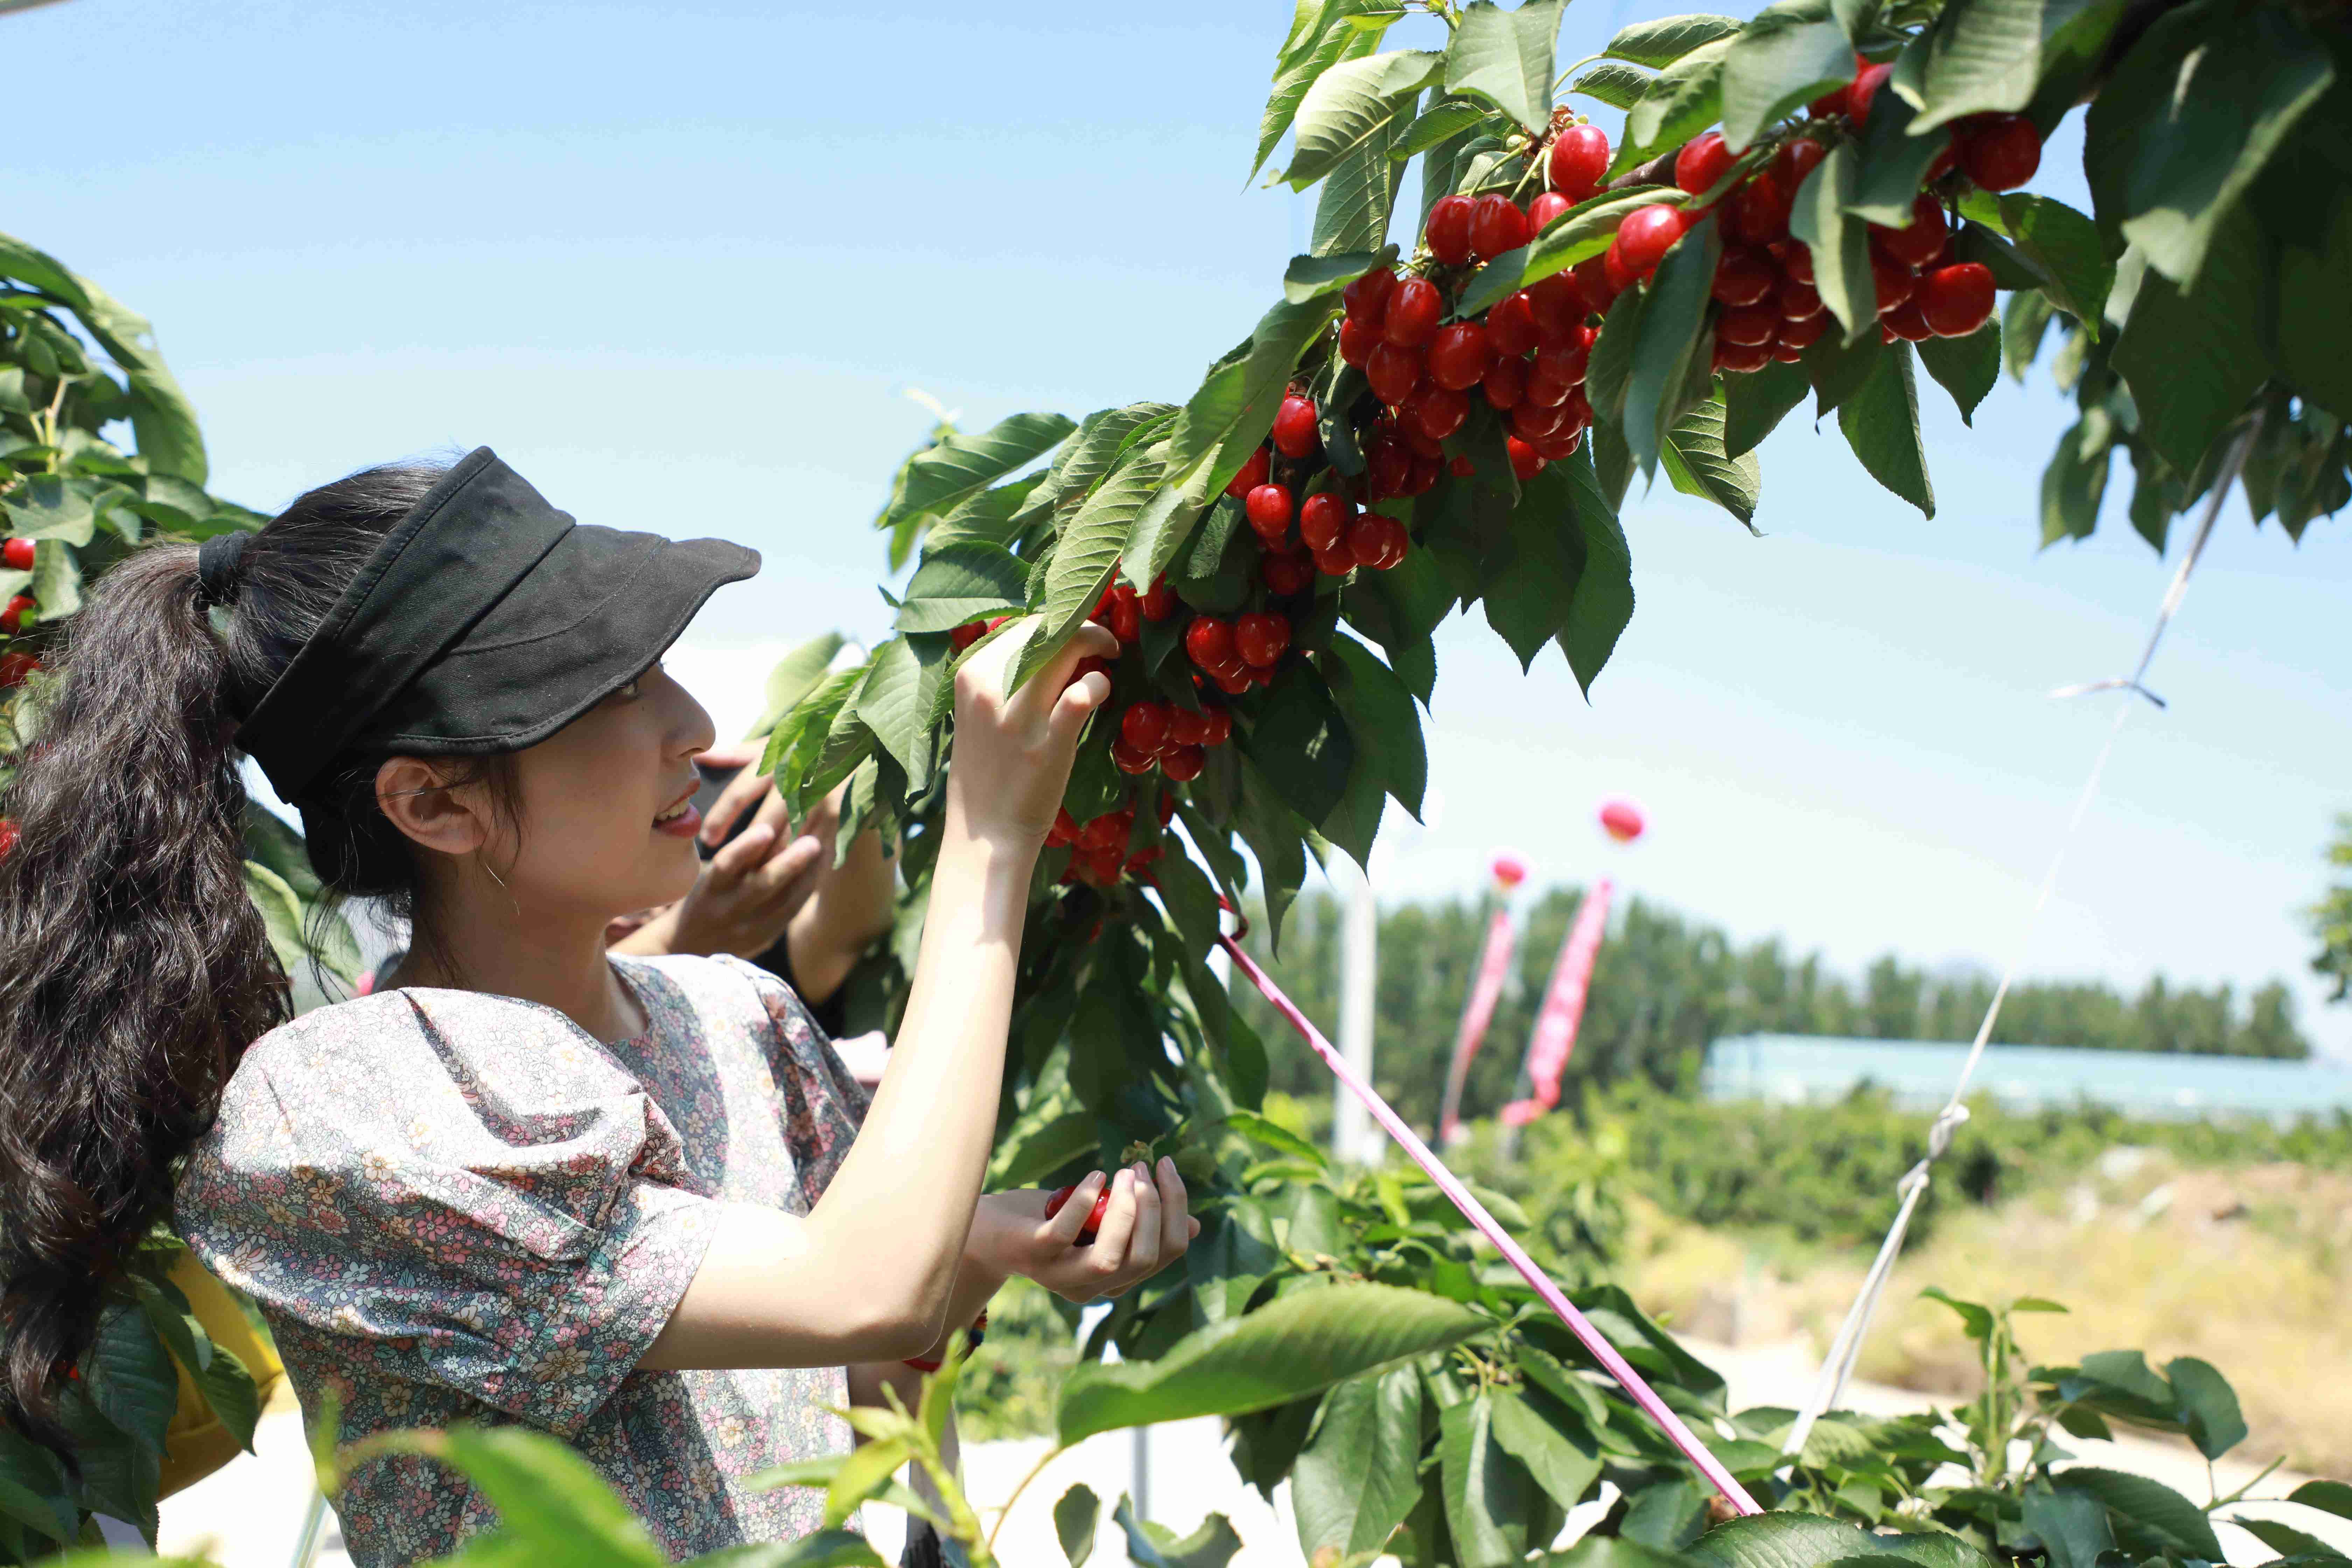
[
  {"x": 1098, "y": 847},
  {"x": 1764, "y": 281}
]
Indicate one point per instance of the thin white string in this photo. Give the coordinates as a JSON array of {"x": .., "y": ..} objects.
[{"x": 1845, "y": 1348}]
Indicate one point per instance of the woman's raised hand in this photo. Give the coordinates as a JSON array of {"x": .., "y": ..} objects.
[
  {"x": 1145, "y": 1228},
  {"x": 1012, "y": 753}
]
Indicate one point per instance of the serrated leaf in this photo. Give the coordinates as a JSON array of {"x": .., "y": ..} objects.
[
  {"x": 957, "y": 582},
  {"x": 1505, "y": 57},
  {"x": 1085, "y": 557},
  {"x": 2065, "y": 246},
  {"x": 1603, "y": 605},
  {"x": 1441, "y": 121},
  {"x": 1668, "y": 39},
  {"x": 1683, "y": 99},
  {"x": 1893, "y": 163},
  {"x": 2072, "y": 1526},
  {"x": 1080, "y": 465},
  {"x": 1292, "y": 1347},
  {"x": 959, "y": 466},
  {"x": 1565, "y": 1464},
  {"x": 1351, "y": 105},
  {"x": 1618, "y": 86},
  {"x": 1777, "y": 63},
  {"x": 1754, "y": 405},
  {"x": 1671, "y": 325},
  {"x": 1697, "y": 463},
  {"x": 1839, "y": 244},
  {"x": 896, "y": 699},
  {"x": 1357, "y": 1475},
  {"x": 51, "y": 506},
  {"x": 1312, "y": 276},
  {"x": 1301, "y": 743},
  {"x": 1386, "y": 724},
  {"x": 2285, "y": 1540},
  {"x": 1964, "y": 367},
  {"x": 1881, "y": 422},
  {"x": 2147, "y": 1515},
  {"x": 1780, "y": 1541},
  {"x": 2193, "y": 359},
  {"x": 1580, "y": 234},
  {"x": 2207, "y": 1405},
  {"x": 2328, "y": 1497},
  {"x": 793, "y": 677},
  {"x": 1299, "y": 72}
]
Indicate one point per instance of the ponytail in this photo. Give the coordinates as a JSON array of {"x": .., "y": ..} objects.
[{"x": 133, "y": 969}]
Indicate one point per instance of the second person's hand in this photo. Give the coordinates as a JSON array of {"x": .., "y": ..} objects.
[{"x": 1145, "y": 1228}]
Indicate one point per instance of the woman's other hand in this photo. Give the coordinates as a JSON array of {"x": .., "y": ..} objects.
[
  {"x": 1145, "y": 1228},
  {"x": 1013, "y": 752}
]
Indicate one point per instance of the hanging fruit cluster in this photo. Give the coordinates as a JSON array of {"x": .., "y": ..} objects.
[{"x": 1104, "y": 848}]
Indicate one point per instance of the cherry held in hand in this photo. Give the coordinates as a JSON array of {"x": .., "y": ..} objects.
[{"x": 1054, "y": 1205}]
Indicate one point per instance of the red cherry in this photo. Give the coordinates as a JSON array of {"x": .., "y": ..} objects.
[
  {"x": 1166, "y": 808},
  {"x": 1411, "y": 319},
  {"x": 1460, "y": 466},
  {"x": 1357, "y": 339},
  {"x": 1386, "y": 468},
  {"x": 1524, "y": 461},
  {"x": 1739, "y": 359},
  {"x": 1161, "y": 601},
  {"x": 1891, "y": 281},
  {"x": 1184, "y": 764},
  {"x": 1209, "y": 641},
  {"x": 1566, "y": 364},
  {"x": 1531, "y": 422},
  {"x": 1594, "y": 282},
  {"x": 1393, "y": 372},
  {"x": 1497, "y": 226},
  {"x": 1368, "y": 296},
  {"x": 1829, "y": 106},
  {"x": 1956, "y": 300},
  {"x": 16, "y": 668},
  {"x": 1799, "y": 261},
  {"x": 1797, "y": 301},
  {"x": 13, "y": 617},
  {"x": 1547, "y": 206},
  {"x": 1560, "y": 442},
  {"x": 1064, "y": 831},
  {"x": 1458, "y": 357},
  {"x": 1743, "y": 276},
  {"x": 1426, "y": 472},
  {"x": 1107, "y": 831},
  {"x": 1440, "y": 411},
  {"x": 964, "y": 635},
  {"x": 1643, "y": 235},
  {"x": 17, "y": 554},
  {"x": 1323, "y": 520},
  {"x": 1580, "y": 409},
  {"x": 1749, "y": 326},
  {"x": 1560, "y": 309},
  {"x": 1293, "y": 427},
  {"x": 1145, "y": 725},
  {"x": 1862, "y": 91},
  {"x": 1448, "y": 233},
  {"x": 1127, "y": 760},
  {"x": 1760, "y": 208},
  {"x": 1917, "y": 242},
  {"x": 1127, "y": 620},
  {"x": 1268, "y": 509},
  {"x": 1377, "y": 541},
  {"x": 2001, "y": 151},
  {"x": 1260, "y": 639},
  {"x": 1511, "y": 325},
  {"x": 1805, "y": 332},
  {"x": 1418, "y": 441},
  {"x": 1252, "y": 475},
  {"x": 9, "y": 842},
  {"x": 1579, "y": 158},
  {"x": 1186, "y": 728},
  {"x": 1701, "y": 163},
  {"x": 1507, "y": 383},
  {"x": 1102, "y": 869},
  {"x": 1906, "y": 322},
  {"x": 1221, "y": 728},
  {"x": 1787, "y": 355},
  {"x": 1285, "y": 574},
  {"x": 1795, "y": 159},
  {"x": 1544, "y": 391}
]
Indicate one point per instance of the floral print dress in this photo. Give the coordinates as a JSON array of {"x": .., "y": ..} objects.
[{"x": 461, "y": 1207}]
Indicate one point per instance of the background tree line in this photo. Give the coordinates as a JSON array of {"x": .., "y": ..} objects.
[{"x": 1666, "y": 985}]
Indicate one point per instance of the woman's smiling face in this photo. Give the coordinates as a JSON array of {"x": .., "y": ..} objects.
[{"x": 606, "y": 820}]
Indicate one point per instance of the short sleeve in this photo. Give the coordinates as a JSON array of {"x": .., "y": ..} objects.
[
  {"x": 823, "y": 1103},
  {"x": 469, "y": 1187}
]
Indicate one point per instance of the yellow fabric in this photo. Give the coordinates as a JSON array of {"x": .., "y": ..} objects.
[{"x": 196, "y": 1444}]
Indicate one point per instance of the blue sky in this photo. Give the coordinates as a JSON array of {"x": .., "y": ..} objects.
[{"x": 680, "y": 265}]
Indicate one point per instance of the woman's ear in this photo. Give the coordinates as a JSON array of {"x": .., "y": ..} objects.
[{"x": 417, "y": 796}]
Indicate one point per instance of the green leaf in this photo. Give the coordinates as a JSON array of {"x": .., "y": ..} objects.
[
  {"x": 794, "y": 676},
  {"x": 1778, "y": 62},
  {"x": 1293, "y": 1346},
  {"x": 1667, "y": 1515},
  {"x": 281, "y": 914},
  {"x": 1359, "y": 1475},
  {"x": 2065, "y": 246},
  {"x": 547, "y": 1496},
  {"x": 1352, "y": 105},
  {"x": 2075, "y": 480},
  {"x": 1312, "y": 276},
  {"x": 33, "y": 1490},
  {"x": 1299, "y": 72},
  {"x": 826, "y": 1549},
  {"x": 1753, "y": 405},
  {"x": 49, "y": 506},
  {"x": 1151, "y": 1545},
  {"x": 1840, "y": 245},
  {"x": 2024, "y": 322},
  {"x": 1565, "y": 1464},
  {"x": 1505, "y": 57},
  {"x": 1488, "y": 1494},
  {"x": 2148, "y": 1515},
  {"x": 1080, "y": 465},
  {"x": 1893, "y": 163},
  {"x": 1683, "y": 99},
  {"x": 2193, "y": 359},
  {"x": 1699, "y": 464},
  {"x": 57, "y": 579},
  {"x": 1990, "y": 55},
  {"x": 1618, "y": 86},
  {"x": 959, "y": 466},
  {"x": 1531, "y": 586},
  {"x": 1300, "y": 741},
  {"x": 958, "y": 581},
  {"x": 1076, "y": 1517},
  {"x": 1233, "y": 410},
  {"x": 1780, "y": 1541},
  {"x": 220, "y": 1378},
  {"x": 1670, "y": 326},
  {"x": 2208, "y": 1404},
  {"x": 2202, "y": 124},
  {"x": 1603, "y": 605},
  {"x": 1442, "y": 122},
  {"x": 1881, "y": 422},
  {"x": 1383, "y": 720},
  {"x": 2285, "y": 1540},
  {"x": 1577, "y": 235},
  {"x": 1837, "y": 370},
  {"x": 2072, "y": 1526},
  {"x": 1964, "y": 367},
  {"x": 901, "y": 691},
  {"x": 1085, "y": 557},
  {"x": 1274, "y": 1135},
  {"x": 1669, "y": 38},
  {"x": 2328, "y": 1497}
]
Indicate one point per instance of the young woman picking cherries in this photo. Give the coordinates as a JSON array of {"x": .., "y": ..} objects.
[{"x": 637, "y": 1203}]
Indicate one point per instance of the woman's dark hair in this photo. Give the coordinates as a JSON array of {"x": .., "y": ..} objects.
[{"x": 134, "y": 970}]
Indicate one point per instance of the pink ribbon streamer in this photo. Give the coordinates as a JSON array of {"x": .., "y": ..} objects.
[
  {"x": 1485, "y": 990},
  {"x": 1563, "y": 1008},
  {"x": 1475, "y": 1212}
]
